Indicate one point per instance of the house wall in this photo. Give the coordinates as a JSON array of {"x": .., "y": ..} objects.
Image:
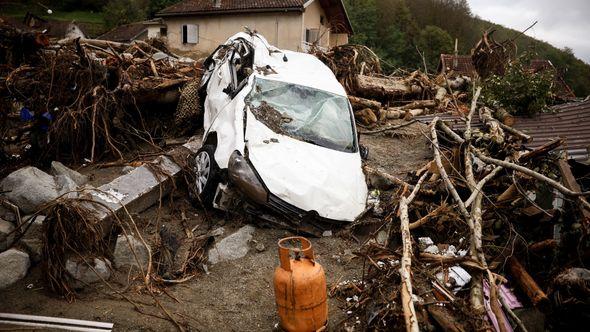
[
  {"x": 153, "y": 31},
  {"x": 283, "y": 29},
  {"x": 338, "y": 39},
  {"x": 312, "y": 20}
]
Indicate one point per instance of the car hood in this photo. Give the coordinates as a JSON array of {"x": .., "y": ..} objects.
[{"x": 310, "y": 177}]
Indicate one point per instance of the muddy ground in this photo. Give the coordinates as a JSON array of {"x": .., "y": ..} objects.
[{"x": 235, "y": 295}]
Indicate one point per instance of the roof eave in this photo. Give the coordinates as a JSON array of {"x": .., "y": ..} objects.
[{"x": 229, "y": 11}]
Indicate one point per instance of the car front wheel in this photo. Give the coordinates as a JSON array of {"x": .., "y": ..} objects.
[{"x": 206, "y": 174}]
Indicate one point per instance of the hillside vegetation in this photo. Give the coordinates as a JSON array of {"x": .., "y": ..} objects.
[{"x": 399, "y": 30}]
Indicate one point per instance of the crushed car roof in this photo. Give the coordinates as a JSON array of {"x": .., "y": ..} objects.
[{"x": 300, "y": 68}]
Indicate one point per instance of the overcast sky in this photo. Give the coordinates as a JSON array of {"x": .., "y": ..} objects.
[{"x": 561, "y": 22}]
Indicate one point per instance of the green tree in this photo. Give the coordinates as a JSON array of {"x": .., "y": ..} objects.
[
  {"x": 118, "y": 12},
  {"x": 157, "y": 5},
  {"x": 432, "y": 42},
  {"x": 520, "y": 90}
]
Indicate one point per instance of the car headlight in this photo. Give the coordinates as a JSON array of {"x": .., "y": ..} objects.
[{"x": 243, "y": 175}]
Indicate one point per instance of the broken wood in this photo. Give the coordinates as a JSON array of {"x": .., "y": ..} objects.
[
  {"x": 526, "y": 282},
  {"x": 542, "y": 150},
  {"x": 570, "y": 182},
  {"x": 406, "y": 261},
  {"x": 361, "y": 103},
  {"x": 370, "y": 86}
]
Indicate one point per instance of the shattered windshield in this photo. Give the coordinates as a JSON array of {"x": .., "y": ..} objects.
[{"x": 304, "y": 113}]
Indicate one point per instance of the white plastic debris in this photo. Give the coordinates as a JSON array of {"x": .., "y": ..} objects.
[
  {"x": 424, "y": 242},
  {"x": 458, "y": 278},
  {"x": 432, "y": 249}
]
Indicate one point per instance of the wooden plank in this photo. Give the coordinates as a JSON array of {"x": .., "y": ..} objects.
[{"x": 569, "y": 181}]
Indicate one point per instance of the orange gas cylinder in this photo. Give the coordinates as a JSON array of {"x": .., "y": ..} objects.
[{"x": 300, "y": 287}]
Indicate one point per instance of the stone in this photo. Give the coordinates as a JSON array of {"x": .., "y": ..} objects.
[
  {"x": 34, "y": 247},
  {"x": 29, "y": 188},
  {"x": 65, "y": 184},
  {"x": 7, "y": 214},
  {"x": 58, "y": 168},
  {"x": 33, "y": 238},
  {"x": 15, "y": 265},
  {"x": 260, "y": 247},
  {"x": 6, "y": 237},
  {"x": 232, "y": 247},
  {"x": 83, "y": 274},
  {"x": 327, "y": 233},
  {"x": 218, "y": 231},
  {"x": 124, "y": 256}
]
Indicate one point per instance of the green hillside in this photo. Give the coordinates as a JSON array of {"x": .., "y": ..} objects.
[{"x": 397, "y": 29}]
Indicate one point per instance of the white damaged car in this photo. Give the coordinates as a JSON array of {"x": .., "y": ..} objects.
[{"x": 279, "y": 127}]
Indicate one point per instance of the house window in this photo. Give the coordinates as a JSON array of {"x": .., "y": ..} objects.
[
  {"x": 312, "y": 35},
  {"x": 190, "y": 34},
  {"x": 322, "y": 19},
  {"x": 163, "y": 32}
]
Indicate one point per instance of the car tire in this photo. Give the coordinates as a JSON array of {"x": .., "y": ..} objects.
[{"x": 207, "y": 174}]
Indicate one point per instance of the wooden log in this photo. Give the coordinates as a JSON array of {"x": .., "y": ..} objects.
[
  {"x": 406, "y": 261},
  {"x": 543, "y": 245},
  {"x": 569, "y": 181},
  {"x": 508, "y": 194},
  {"x": 419, "y": 104},
  {"x": 496, "y": 132},
  {"x": 393, "y": 113},
  {"x": 528, "y": 285},
  {"x": 366, "y": 116},
  {"x": 410, "y": 114},
  {"x": 440, "y": 94},
  {"x": 359, "y": 103},
  {"x": 369, "y": 86},
  {"x": 504, "y": 117},
  {"x": 542, "y": 150}
]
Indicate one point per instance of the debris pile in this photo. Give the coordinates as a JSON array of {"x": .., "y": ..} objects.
[
  {"x": 484, "y": 223},
  {"x": 53, "y": 93},
  {"x": 377, "y": 98}
]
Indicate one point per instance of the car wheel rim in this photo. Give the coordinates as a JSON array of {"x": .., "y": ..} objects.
[{"x": 203, "y": 169}]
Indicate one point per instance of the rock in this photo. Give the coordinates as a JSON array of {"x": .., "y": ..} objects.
[
  {"x": 14, "y": 266},
  {"x": 33, "y": 238},
  {"x": 6, "y": 237},
  {"x": 58, "y": 169},
  {"x": 218, "y": 231},
  {"x": 34, "y": 248},
  {"x": 7, "y": 214},
  {"x": 65, "y": 184},
  {"x": 84, "y": 274},
  {"x": 124, "y": 256},
  {"x": 233, "y": 246},
  {"x": 260, "y": 247},
  {"x": 327, "y": 233},
  {"x": 127, "y": 170},
  {"x": 29, "y": 188}
]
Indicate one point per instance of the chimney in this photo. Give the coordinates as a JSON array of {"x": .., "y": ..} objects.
[{"x": 216, "y": 3}]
